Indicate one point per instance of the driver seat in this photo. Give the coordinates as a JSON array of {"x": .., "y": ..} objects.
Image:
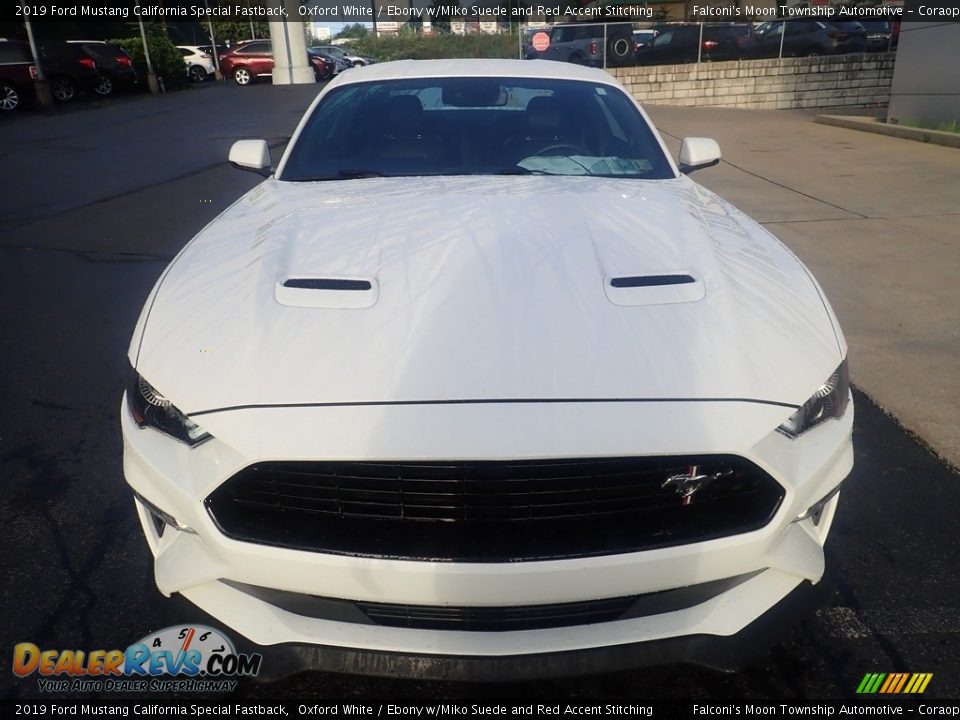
[{"x": 547, "y": 121}]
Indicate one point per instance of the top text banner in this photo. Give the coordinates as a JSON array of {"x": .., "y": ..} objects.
[{"x": 418, "y": 12}]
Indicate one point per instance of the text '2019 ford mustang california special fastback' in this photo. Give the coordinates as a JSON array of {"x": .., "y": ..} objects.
[{"x": 479, "y": 383}]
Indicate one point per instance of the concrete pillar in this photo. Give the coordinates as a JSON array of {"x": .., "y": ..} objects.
[{"x": 290, "y": 65}]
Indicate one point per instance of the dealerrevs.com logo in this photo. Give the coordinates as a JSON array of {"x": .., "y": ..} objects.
[{"x": 185, "y": 658}]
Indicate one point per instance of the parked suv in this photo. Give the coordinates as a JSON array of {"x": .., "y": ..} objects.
[
  {"x": 112, "y": 62},
  {"x": 246, "y": 62},
  {"x": 199, "y": 63},
  {"x": 250, "y": 61},
  {"x": 682, "y": 44},
  {"x": 807, "y": 37},
  {"x": 585, "y": 44},
  {"x": 68, "y": 69},
  {"x": 17, "y": 73}
]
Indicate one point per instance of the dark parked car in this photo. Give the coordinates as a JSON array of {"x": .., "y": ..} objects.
[
  {"x": 247, "y": 62},
  {"x": 586, "y": 44},
  {"x": 67, "y": 67},
  {"x": 113, "y": 63},
  {"x": 323, "y": 67},
  {"x": 17, "y": 73},
  {"x": 337, "y": 64},
  {"x": 879, "y": 35},
  {"x": 803, "y": 37},
  {"x": 643, "y": 37},
  {"x": 682, "y": 44},
  {"x": 743, "y": 32}
]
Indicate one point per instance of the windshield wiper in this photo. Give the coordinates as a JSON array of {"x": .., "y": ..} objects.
[
  {"x": 350, "y": 173},
  {"x": 346, "y": 174},
  {"x": 523, "y": 171}
]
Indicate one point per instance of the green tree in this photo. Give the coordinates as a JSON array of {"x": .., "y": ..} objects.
[
  {"x": 356, "y": 31},
  {"x": 232, "y": 32}
]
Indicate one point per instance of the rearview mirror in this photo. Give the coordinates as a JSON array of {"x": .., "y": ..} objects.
[
  {"x": 253, "y": 155},
  {"x": 697, "y": 153}
]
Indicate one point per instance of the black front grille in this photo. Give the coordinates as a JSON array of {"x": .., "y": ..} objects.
[
  {"x": 494, "y": 618},
  {"x": 492, "y": 511}
]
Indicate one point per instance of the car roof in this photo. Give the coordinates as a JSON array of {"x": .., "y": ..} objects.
[{"x": 540, "y": 69}]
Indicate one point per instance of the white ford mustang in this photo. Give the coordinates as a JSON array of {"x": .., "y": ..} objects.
[{"x": 479, "y": 383}]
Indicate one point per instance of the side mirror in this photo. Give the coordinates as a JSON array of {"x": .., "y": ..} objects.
[
  {"x": 253, "y": 155},
  {"x": 697, "y": 153}
]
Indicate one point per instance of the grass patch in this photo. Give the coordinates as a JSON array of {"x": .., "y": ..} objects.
[{"x": 951, "y": 126}]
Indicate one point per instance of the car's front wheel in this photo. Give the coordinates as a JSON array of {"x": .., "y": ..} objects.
[
  {"x": 9, "y": 97},
  {"x": 358, "y": 63},
  {"x": 242, "y": 76},
  {"x": 105, "y": 87},
  {"x": 197, "y": 74},
  {"x": 63, "y": 89}
]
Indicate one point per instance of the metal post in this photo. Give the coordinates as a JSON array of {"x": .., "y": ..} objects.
[
  {"x": 700, "y": 44},
  {"x": 604, "y": 46},
  {"x": 217, "y": 75},
  {"x": 519, "y": 42},
  {"x": 783, "y": 34},
  {"x": 151, "y": 75},
  {"x": 40, "y": 83}
]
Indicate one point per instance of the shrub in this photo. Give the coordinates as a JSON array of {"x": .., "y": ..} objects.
[{"x": 167, "y": 60}]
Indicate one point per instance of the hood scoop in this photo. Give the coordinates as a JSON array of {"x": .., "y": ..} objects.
[
  {"x": 327, "y": 292},
  {"x": 660, "y": 289}
]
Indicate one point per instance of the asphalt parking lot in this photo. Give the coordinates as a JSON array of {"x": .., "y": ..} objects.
[{"x": 98, "y": 200}]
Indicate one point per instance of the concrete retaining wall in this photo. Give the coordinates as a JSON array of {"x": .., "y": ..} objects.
[{"x": 781, "y": 84}]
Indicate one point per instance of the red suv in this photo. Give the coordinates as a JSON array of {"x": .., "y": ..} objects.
[{"x": 251, "y": 60}]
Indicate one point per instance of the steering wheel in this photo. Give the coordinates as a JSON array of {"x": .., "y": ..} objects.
[{"x": 551, "y": 149}]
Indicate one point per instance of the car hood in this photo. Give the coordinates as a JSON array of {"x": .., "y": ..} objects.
[{"x": 483, "y": 289}]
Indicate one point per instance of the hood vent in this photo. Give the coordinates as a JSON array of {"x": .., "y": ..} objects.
[
  {"x": 634, "y": 281},
  {"x": 661, "y": 289},
  {"x": 327, "y": 284},
  {"x": 325, "y": 292}
]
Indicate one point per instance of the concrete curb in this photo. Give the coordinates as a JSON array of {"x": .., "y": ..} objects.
[{"x": 874, "y": 125}]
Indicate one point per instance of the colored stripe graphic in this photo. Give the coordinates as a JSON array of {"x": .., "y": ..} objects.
[{"x": 894, "y": 683}]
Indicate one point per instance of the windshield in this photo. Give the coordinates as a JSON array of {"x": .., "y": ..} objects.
[{"x": 475, "y": 126}]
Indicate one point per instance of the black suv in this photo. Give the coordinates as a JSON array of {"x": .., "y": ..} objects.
[
  {"x": 585, "y": 44},
  {"x": 683, "y": 44},
  {"x": 113, "y": 63},
  {"x": 68, "y": 69},
  {"x": 806, "y": 37},
  {"x": 17, "y": 73}
]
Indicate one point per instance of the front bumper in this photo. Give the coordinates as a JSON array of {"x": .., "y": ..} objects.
[
  {"x": 717, "y": 652},
  {"x": 783, "y": 556}
]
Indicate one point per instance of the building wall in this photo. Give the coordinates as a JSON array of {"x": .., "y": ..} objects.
[
  {"x": 926, "y": 85},
  {"x": 861, "y": 80}
]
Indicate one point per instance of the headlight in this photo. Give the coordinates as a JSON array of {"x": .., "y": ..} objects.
[
  {"x": 830, "y": 401},
  {"x": 151, "y": 409}
]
